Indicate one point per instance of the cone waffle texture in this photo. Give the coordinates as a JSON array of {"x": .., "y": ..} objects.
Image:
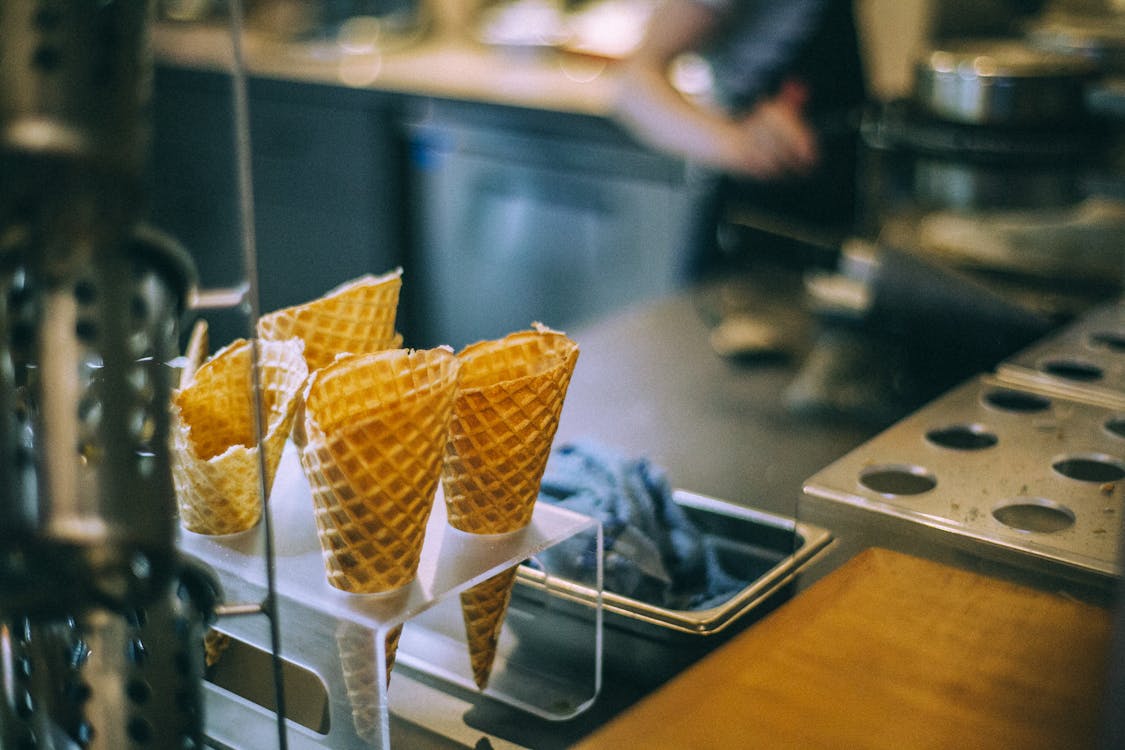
[
  {"x": 357, "y": 317},
  {"x": 215, "y": 644},
  {"x": 509, "y": 399},
  {"x": 510, "y": 396},
  {"x": 371, "y": 446},
  {"x": 215, "y": 462},
  {"x": 356, "y": 647},
  {"x": 483, "y": 608}
]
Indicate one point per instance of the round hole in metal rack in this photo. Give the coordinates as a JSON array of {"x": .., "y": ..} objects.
[
  {"x": 963, "y": 437},
  {"x": 897, "y": 479},
  {"x": 1006, "y": 399},
  {"x": 1115, "y": 425},
  {"x": 1072, "y": 369},
  {"x": 1090, "y": 467},
  {"x": 1112, "y": 340},
  {"x": 1034, "y": 514}
]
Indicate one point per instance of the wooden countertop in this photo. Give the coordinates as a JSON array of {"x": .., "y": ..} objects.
[
  {"x": 891, "y": 651},
  {"x": 437, "y": 66}
]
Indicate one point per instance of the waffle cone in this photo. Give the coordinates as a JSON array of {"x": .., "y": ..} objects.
[
  {"x": 357, "y": 317},
  {"x": 356, "y": 647},
  {"x": 371, "y": 445},
  {"x": 215, "y": 453},
  {"x": 509, "y": 399},
  {"x": 483, "y": 608}
]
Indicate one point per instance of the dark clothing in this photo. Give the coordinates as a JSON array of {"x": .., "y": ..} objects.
[
  {"x": 767, "y": 42},
  {"x": 814, "y": 43}
]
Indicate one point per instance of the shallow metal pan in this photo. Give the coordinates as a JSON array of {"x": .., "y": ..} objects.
[{"x": 765, "y": 549}]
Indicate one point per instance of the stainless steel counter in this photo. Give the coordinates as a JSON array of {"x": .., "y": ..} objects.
[{"x": 649, "y": 383}]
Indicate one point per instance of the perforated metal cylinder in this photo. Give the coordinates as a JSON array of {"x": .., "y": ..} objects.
[
  {"x": 105, "y": 680},
  {"x": 90, "y": 515}
]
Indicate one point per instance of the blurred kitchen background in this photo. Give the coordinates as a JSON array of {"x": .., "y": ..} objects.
[{"x": 471, "y": 142}]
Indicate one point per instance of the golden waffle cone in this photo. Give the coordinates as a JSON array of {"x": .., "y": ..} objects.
[
  {"x": 509, "y": 399},
  {"x": 483, "y": 608},
  {"x": 357, "y": 317},
  {"x": 371, "y": 446},
  {"x": 214, "y": 450},
  {"x": 510, "y": 396},
  {"x": 356, "y": 647}
]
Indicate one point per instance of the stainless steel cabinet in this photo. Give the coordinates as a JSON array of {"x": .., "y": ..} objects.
[
  {"x": 518, "y": 221},
  {"x": 500, "y": 216}
]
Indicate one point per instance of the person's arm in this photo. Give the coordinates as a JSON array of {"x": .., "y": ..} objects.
[{"x": 772, "y": 140}]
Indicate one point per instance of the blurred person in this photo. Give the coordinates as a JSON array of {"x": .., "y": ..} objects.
[{"x": 780, "y": 69}]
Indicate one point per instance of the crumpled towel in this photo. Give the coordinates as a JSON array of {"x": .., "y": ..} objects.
[{"x": 652, "y": 551}]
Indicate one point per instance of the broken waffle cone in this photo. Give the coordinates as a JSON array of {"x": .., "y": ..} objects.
[
  {"x": 509, "y": 399},
  {"x": 371, "y": 444},
  {"x": 358, "y": 660},
  {"x": 357, "y": 318},
  {"x": 215, "y": 449},
  {"x": 483, "y": 608},
  {"x": 215, "y": 644}
]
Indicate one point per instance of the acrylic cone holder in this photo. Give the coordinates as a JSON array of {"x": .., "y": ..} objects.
[{"x": 334, "y": 642}]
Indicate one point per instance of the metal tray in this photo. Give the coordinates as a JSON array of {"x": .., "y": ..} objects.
[
  {"x": 1085, "y": 361},
  {"x": 765, "y": 549},
  {"x": 1029, "y": 476}
]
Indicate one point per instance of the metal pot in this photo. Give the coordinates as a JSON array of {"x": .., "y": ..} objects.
[
  {"x": 1097, "y": 38},
  {"x": 1006, "y": 83}
]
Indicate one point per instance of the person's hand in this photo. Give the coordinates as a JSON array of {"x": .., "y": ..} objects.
[{"x": 774, "y": 140}]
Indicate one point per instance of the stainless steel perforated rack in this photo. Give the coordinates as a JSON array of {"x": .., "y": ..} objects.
[{"x": 1027, "y": 465}]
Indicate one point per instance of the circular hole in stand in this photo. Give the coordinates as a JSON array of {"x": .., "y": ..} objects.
[
  {"x": 1034, "y": 514},
  {"x": 1090, "y": 467},
  {"x": 1112, "y": 340},
  {"x": 1115, "y": 425},
  {"x": 1016, "y": 401},
  {"x": 897, "y": 479},
  {"x": 1072, "y": 369},
  {"x": 963, "y": 437}
]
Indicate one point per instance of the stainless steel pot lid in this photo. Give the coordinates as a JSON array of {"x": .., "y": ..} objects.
[{"x": 1002, "y": 82}]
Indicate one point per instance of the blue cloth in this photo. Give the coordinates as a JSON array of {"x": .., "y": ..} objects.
[{"x": 653, "y": 553}]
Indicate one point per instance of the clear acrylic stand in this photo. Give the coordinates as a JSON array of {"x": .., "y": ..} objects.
[{"x": 334, "y": 649}]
